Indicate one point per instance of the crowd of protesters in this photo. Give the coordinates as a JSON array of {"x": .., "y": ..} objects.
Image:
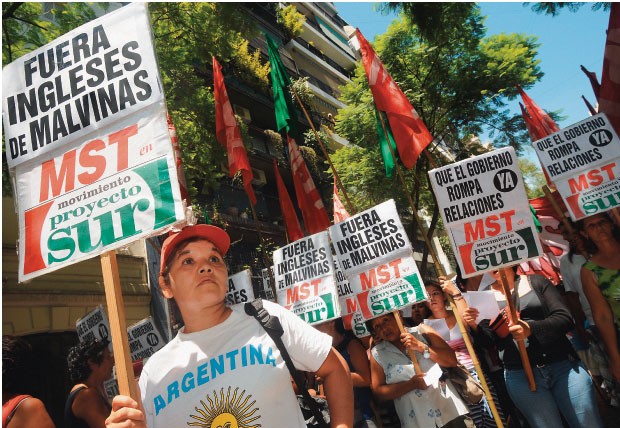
[{"x": 570, "y": 332}]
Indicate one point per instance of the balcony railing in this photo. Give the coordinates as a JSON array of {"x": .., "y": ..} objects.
[{"x": 322, "y": 56}]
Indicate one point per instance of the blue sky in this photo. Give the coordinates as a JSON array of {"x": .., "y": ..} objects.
[{"x": 567, "y": 41}]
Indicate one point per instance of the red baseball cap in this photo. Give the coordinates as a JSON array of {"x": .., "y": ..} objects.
[{"x": 211, "y": 233}]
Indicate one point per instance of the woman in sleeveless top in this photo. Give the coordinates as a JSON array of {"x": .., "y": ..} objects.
[
  {"x": 393, "y": 376},
  {"x": 90, "y": 364},
  {"x": 445, "y": 324},
  {"x": 600, "y": 277},
  {"x": 19, "y": 409}
]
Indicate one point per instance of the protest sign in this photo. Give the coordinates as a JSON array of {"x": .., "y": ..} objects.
[
  {"x": 346, "y": 297},
  {"x": 358, "y": 325},
  {"x": 88, "y": 144},
  {"x": 583, "y": 160},
  {"x": 485, "y": 211},
  {"x": 304, "y": 276},
  {"x": 240, "y": 288},
  {"x": 94, "y": 325},
  {"x": 267, "y": 284},
  {"x": 144, "y": 339},
  {"x": 376, "y": 257}
]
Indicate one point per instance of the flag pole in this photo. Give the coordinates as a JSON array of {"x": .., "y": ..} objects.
[
  {"x": 331, "y": 165},
  {"x": 440, "y": 271}
]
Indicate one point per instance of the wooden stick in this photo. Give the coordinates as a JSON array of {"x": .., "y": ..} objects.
[
  {"x": 475, "y": 361},
  {"x": 557, "y": 209},
  {"x": 401, "y": 327},
  {"x": 616, "y": 215},
  {"x": 527, "y": 367},
  {"x": 118, "y": 325},
  {"x": 352, "y": 209}
]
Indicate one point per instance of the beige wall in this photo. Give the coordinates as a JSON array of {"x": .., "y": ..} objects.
[{"x": 53, "y": 302}]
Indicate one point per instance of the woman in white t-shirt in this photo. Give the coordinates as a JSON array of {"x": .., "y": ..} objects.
[{"x": 222, "y": 368}]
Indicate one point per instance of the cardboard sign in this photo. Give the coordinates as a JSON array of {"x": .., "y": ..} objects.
[
  {"x": 485, "y": 210},
  {"x": 144, "y": 339},
  {"x": 583, "y": 160},
  {"x": 267, "y": 284},
  {"x": 90, "y": 150},
  {"x": 79, "y": 83},
  {"x": 358, "y": 325},
  {"x": 377, "y": 259},
  {"x": 240, "y": 288},
  {"x": 346, "y": 296},
  {"x": 94, "y": 325},
  {"x": 304, "y": 275}
]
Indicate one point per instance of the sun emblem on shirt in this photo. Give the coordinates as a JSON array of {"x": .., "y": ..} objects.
[{"x": 226, "y": 411}]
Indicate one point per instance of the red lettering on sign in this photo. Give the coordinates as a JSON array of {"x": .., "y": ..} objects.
[
  {"x": 594, "y": 177},
  {"x": 380, "y": 275},
  {"x": 489, "y": 226},
  {"x": 90, "y": 158}
]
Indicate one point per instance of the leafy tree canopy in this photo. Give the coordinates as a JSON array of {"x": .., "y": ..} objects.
[
  {"x": 458, "y": 80},
  {"x": 554, "y": 8},
  {"x": 187, "y": 36}
]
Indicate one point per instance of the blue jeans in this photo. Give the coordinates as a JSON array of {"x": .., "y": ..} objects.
[{"x": 563, "y": 387}]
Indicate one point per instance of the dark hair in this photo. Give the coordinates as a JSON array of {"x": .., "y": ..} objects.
[
  {"x": 81, "y": 354},
  {"x": 16, "y": 363},
  {"x": 589, "y": 245}
]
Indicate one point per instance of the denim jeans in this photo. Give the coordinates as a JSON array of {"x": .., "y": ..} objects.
[{"x": 562, "y": 387}]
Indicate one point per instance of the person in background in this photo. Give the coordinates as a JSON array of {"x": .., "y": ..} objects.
[
  {"x": 393, "y": 375},
  {"x": 600, "y": 277},
  {"x": 222, "y": 368},
  {"x": 90, "y": 364},
  {"x": 419, "y": 311},
  {"x": 356, "y": 357},
  {"x": 444, "y": 322},
  {"x": 563, "y": 386},
  {"x": 19, "y": 408}
]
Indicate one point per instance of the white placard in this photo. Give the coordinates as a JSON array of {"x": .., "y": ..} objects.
[
  {"x": 583, "y": 161},
  {"x": 144, "y": 339},
  {"x": 485, "y": 210},
  {"x": 240, "y": 288}
]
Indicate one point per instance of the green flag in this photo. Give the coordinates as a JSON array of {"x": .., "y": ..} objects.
[
  {"x": 535, "y": 218},
  {"x": 280, "y": 81},
  {"x": 388, "y": 159}
]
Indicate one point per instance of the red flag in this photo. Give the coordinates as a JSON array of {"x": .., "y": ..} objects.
[
  {"x": 179, "y": 162},
  {"x": 540, "y": 123},
  {"x": 340, "y": 212},
  {"x": 228, "y": 133},
  {"x": 409, "y": 130},
  {"x": 308, "y": 198},
  {"x": 553, "y": 244},
  {"x": 596, "y": 87},
  {"x": 609, "y": 101},
  {"x": 293, "y": 229}
]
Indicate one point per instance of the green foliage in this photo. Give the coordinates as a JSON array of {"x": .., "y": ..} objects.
[
  {"x": 554, "y": 8},
  {"x": 459, "y": 82},
  {"x": 291, "y": 20},
  {"x": 533, "y": 178}
]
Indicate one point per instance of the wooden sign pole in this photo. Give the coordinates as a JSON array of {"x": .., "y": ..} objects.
[
  {"x": 527, "y": 367},
  {"x": 118, "y": 325}
]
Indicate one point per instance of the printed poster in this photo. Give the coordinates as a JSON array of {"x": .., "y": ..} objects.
[
  {"x": 88, "y": 143},
  {"x": 377, "y": 259},
  {"x": 94, "y": 326},
  {"x": 485, "y": 211},
  {"x": 240, "y": 288},
  {"x": 267, "y": 284},
  {"x": 144, "y": 339},
  {"x": 305, "y": 279},
  {"x": 583, "y": 160}
]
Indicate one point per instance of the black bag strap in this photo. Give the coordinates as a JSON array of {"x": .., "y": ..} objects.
[{"x": 274, "y": 329}]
